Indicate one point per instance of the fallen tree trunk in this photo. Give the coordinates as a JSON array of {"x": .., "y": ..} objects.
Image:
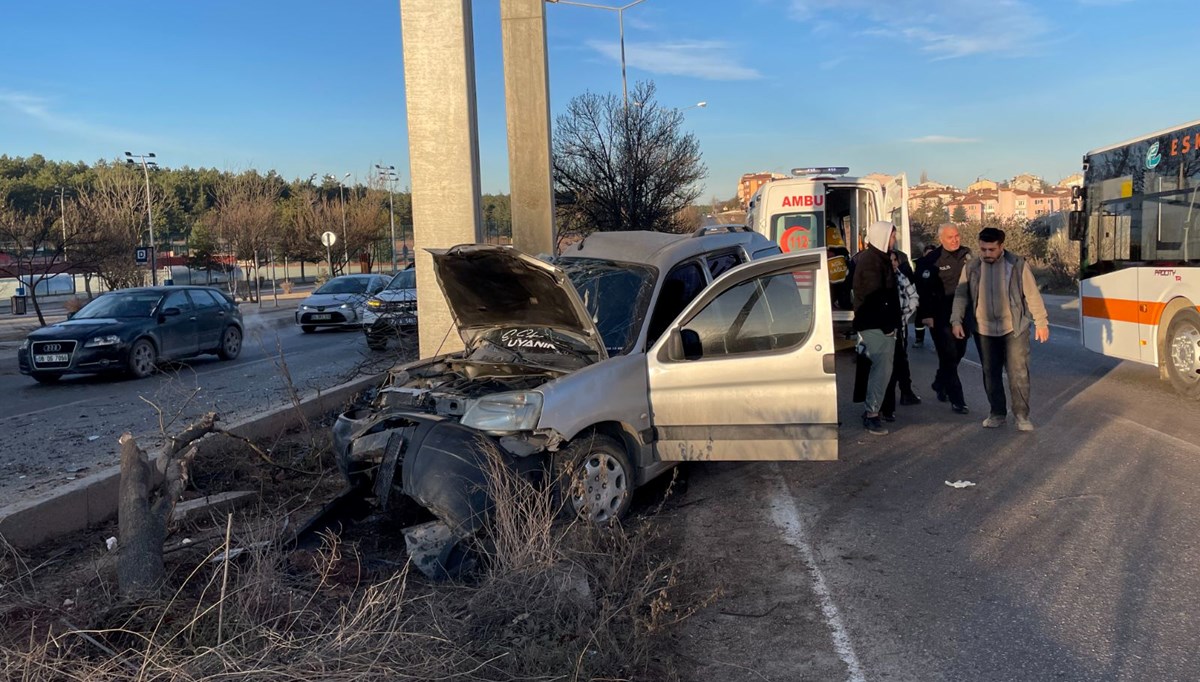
[{"x": 145, "y": 508}]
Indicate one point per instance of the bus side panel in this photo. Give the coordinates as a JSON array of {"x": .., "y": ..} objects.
[
  {"x": 1157, "y": 289},
  {"x": 1110, "y": 313}
]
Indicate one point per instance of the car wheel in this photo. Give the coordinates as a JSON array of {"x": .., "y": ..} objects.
[
  {"x": 593, "y": 479},
  {"x": 307, "y": 328},
  {"x": 46, "y": 377},
  {"x": 376, "y": 343},
  {"x": 231, "y": 343},
  {"x": 1182, "y": 353},
  {"x": 142, "y": 358}
]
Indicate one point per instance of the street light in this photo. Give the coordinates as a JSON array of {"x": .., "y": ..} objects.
[
  {"x": 620, "y": 23},
  {"x": 388, "y": 174},
  {"x": 146, "y": 165},
  {"x": 342, "y": 196}
]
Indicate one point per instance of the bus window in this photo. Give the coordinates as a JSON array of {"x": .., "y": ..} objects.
[{"x": 1176, "y": 217}]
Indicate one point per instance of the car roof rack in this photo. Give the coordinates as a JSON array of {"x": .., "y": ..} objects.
[{"x": 715, "y": 229}]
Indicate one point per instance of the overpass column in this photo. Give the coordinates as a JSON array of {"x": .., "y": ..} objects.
[
  {"x": 527, "y": 105},
  {"x": 443, "y": 145}
]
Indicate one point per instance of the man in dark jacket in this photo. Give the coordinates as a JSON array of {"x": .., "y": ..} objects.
[
  {"x": 937, "y": 278},
  {"x": 876, "y": 315}
]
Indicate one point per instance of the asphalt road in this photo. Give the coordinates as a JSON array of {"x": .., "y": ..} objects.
[
  {"x": 1074, "y": 556},
  {"x": 55, "y": 433}
]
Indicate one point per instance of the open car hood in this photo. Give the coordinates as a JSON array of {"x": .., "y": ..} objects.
[{"x": 493, "y": 287}]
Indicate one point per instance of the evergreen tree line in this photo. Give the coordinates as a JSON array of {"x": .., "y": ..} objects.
[{"x": 90, "y": 219}]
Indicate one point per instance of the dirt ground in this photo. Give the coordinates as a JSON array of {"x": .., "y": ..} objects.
[{"x": 649, "y": 584}]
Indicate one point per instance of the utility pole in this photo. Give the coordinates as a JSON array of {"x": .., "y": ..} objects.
[
  {"x": 345, "y": 242},
  {"x": 129, "y": 159},
  {"x": 388, "y": 174}
]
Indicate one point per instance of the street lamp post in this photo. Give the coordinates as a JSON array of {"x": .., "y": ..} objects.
[
  {"x": 342, "y": 196},
  {"x": 621, "y": 26},
  {"x": 129, "y": 159},
  {"x": 388, "y": 174}
]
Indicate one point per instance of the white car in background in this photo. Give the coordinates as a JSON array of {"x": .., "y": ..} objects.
[
  {"x": 338, "y": 302},
  {"x": 393, "y": 311}
]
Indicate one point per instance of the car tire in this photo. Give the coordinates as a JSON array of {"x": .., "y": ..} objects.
[
  {"x": 307, "y": 328},
  {"x": 1180, "y": 353},
  {"x": 592, "y": 479},
  {"x": 376, "y": 343},
  {"x": 46, "y": 377},
  {"x": 231, "y": 343},
  {"x": 143, "y": 358}
]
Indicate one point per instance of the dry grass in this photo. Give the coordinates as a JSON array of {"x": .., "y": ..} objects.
[{"x": 553, "y": 602}]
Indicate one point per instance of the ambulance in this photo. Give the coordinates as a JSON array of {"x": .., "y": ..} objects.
[{"x": 824, "y": 207}]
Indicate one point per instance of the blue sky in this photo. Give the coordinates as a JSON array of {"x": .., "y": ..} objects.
[{"x": 959, "y": 88}]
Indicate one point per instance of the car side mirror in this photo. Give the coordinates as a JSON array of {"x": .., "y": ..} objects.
[
  {"x": 690, "y": 346},
  {"x": 70, "y": 316},
  {"x": 170, "y": 312},
  {"x": 1076, "y": 226}
]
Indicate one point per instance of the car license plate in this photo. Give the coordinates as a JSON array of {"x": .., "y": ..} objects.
[
  {"x": 48, "y": 359},
  {"x": 322, "y": 316}
]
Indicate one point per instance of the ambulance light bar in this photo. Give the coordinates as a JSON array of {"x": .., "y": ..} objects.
[{"x": 821, "y": 170}]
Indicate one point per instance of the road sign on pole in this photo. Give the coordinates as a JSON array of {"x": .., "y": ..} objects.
[
  {"x": 141, "y": 255},
  {"x": 328, "y": 239}
]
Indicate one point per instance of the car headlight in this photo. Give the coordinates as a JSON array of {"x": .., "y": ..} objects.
[
  {"x": 374, "y": 303},
  {"x": 305, "y": 306},
  {"x": 25, "y": 344},
  {"x": 505, "y": 412},
  {"x": 345, "y": 306},
  {"x": 97, "y": 341}
]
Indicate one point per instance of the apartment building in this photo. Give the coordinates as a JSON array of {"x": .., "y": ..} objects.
[{"x": 750, "y": 183}]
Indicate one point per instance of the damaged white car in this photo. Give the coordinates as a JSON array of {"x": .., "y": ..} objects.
[{"x": 629, "y": 353}]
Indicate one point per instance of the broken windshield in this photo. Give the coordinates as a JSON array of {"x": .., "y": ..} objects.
[{"x": 616, "y": 296}]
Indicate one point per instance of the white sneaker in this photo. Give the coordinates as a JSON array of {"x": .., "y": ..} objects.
[
  {"x": 1023, "y": 424},
  {"x": 994, "y": 422}
]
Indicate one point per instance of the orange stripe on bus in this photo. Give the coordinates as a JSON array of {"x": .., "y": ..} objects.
[{"x": 1123, "y": 310}]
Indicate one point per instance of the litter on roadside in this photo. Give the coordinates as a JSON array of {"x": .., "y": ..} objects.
[{"x": 960, "y": 484}]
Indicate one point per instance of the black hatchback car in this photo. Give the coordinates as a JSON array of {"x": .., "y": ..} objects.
[{"x": 131, "y": 330}]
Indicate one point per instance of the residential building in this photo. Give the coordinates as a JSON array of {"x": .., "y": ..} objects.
[
  {"x": 982, "y": 185},
  {"x": 750, "y": 183}
]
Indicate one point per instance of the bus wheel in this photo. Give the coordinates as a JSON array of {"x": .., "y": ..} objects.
[{"x": 1183, "y": 352}]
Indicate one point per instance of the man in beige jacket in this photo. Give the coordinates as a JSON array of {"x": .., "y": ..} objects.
[{"x": 998, "y": 295}]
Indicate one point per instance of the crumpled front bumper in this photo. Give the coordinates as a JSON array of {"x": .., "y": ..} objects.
[{"x": 437, "y": 462}]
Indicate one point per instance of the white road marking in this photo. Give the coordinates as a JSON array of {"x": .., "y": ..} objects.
[
  {"x": 1063, "y": 326},
  {"x": 787, "y": 519}
]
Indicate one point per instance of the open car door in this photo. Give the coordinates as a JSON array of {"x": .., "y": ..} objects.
[
  {"x": 746, "y": 372},
  {"x": 895, "y": 209}
]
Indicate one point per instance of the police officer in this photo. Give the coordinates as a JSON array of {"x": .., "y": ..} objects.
[{"x": 937, "y": 277}]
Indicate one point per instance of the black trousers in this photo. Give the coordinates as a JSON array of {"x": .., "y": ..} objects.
[
  {"x": 950, "y": 352},
  {"x": 901, "y": 376}
]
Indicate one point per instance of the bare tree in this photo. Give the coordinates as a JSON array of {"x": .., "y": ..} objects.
[
  {"x": 245, "y": 211},
  {"x": 619, "y": 167},
  {"x": 112, "y": 219},
  {"x": 36, "y": 243},
  {"x": 366, "y": 224}
]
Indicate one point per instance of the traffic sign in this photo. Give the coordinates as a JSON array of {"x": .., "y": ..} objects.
[
  {"x": 141, "y": 255},
  {"x": 328, "y": 238}
]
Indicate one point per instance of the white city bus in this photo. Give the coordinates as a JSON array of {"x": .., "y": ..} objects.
[
  {"x": 1138, "y": 219},
  {"x": 795, "y": 211}
]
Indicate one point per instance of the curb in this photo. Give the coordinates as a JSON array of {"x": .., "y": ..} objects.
[{"x": 92, "y": 500}]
